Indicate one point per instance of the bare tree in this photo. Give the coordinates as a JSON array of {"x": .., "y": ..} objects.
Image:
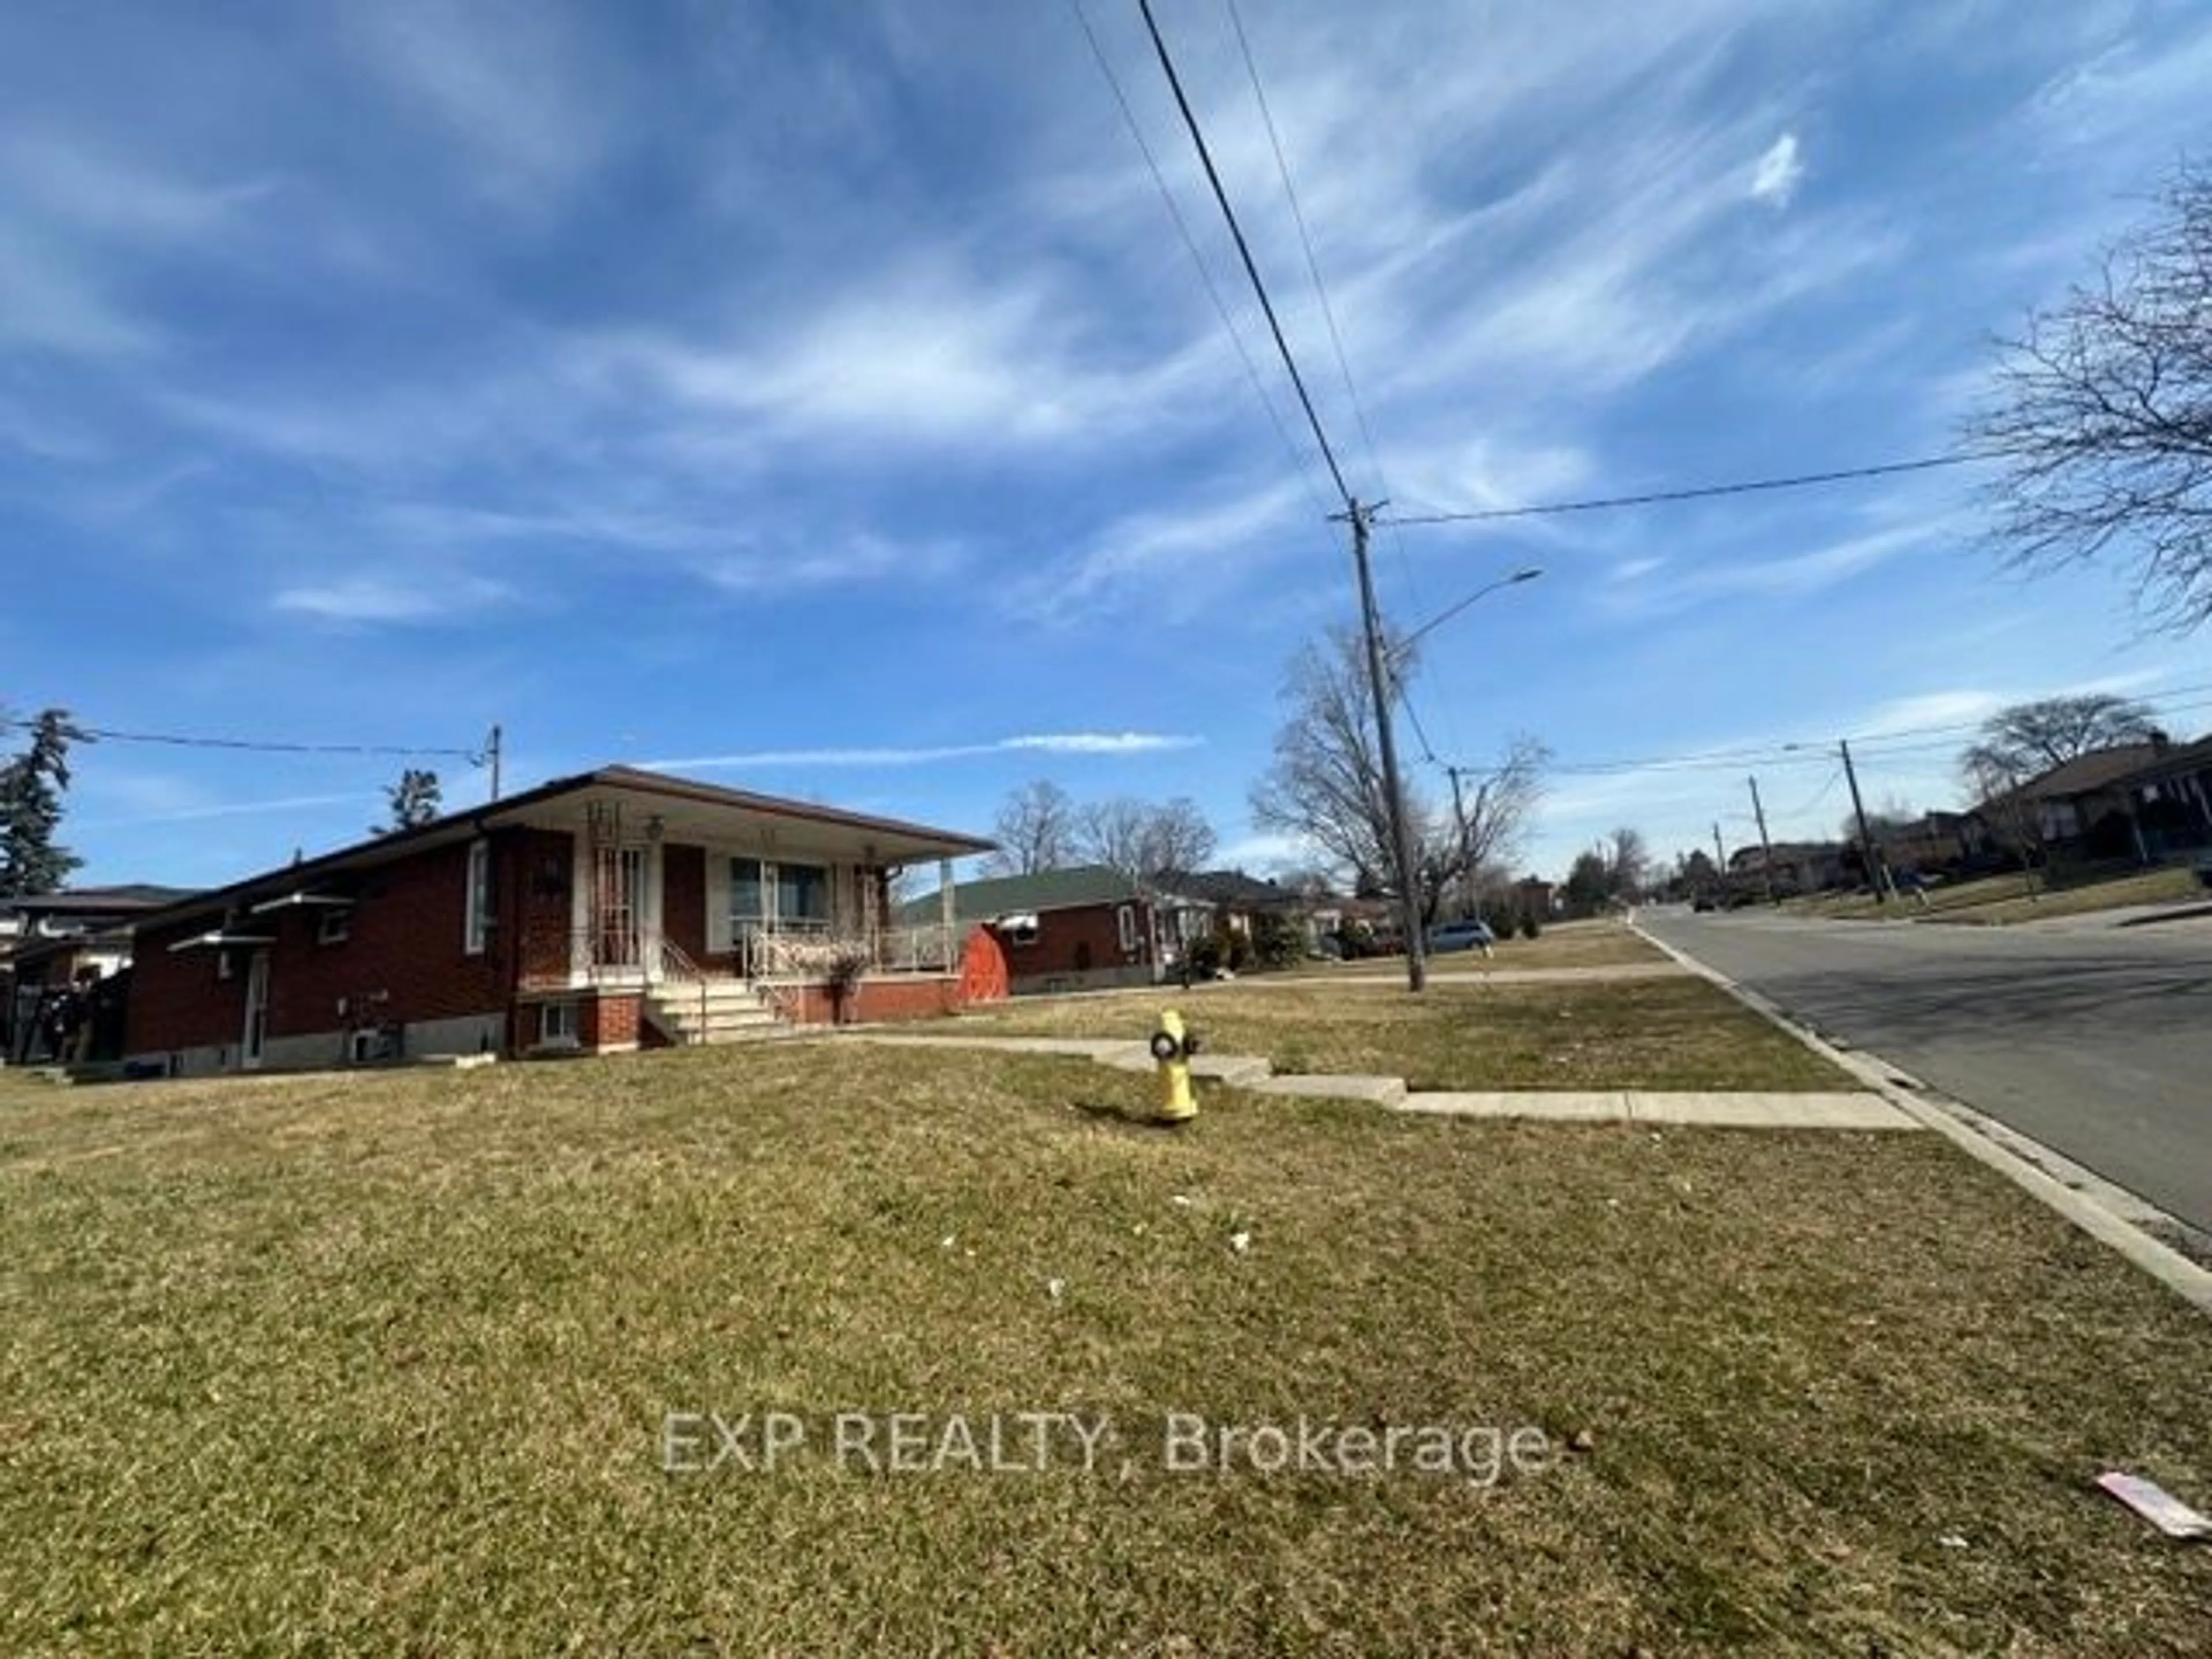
[
  {"x": 1326, "y": 784},
  {"x": 1178, "y": 840},
  {"x": 1114, "y": 833},
  {"x": 1628, "y": 862},
  {"x": 2102, "y": 414},
  {"x": 2030, "y": 737},
  {"x": 1035, "y": 830}
]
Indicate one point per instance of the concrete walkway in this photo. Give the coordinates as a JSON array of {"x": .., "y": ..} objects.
[{"x": 1734, "y": 1111}]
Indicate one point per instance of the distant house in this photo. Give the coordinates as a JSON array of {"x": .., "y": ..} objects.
[
  {"x": 1239, "y": 900},
  {"x": 1534, "y": 899},
  {"x": 2139, "y": 802},
  {"x": 78, "y": 939},
  {"x": 615, "y": 908},
  {"x": 1089, "y": 928},
  {"x": 1795, "y": 866}
]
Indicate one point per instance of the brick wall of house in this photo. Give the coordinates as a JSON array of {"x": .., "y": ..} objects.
[
  {"x": 609, "y": 1021},
  {"x": 1086, "y": 939},
  {"x": 541, "y": 892},
  {"x": 684, "y": 899},
  {"x": 176, "y": 1000},
  {"x": 405, "y": 940},
  {"x": 917, "y": 998}
]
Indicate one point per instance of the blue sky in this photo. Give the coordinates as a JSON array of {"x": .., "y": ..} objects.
[{"x": 822, "y": 398}]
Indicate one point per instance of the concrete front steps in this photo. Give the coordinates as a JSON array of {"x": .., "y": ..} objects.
[{"x": 713, "y": 1010}]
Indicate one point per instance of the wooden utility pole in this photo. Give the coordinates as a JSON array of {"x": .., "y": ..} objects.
[
  {"x": 1409, "y": 896},
  {"x": 1766, "y": 847},
  {"x": 1877, "y": 875}
]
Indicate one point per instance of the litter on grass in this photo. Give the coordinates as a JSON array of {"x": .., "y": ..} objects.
[{"x": 2156, "y": 1505}]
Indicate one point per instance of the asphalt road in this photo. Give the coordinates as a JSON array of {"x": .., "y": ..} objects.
[{"x": 2093, "y": 1039}]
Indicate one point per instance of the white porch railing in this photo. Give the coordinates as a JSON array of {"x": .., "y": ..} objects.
[{"x": 807, "y": 952}]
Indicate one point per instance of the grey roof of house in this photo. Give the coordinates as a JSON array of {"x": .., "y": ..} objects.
[
  {"x": 1048, "y": 890},
  {"x": 1235, "y": 889},
  {"x": 118, "y": 901}
]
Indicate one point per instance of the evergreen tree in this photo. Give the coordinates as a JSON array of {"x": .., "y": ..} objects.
[{"x": 32, "y": 785}]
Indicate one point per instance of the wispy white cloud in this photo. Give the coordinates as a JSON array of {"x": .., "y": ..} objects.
[
  {"x": 529, "y": 101},
  {"x": 1110, "y": 743},
  {"x": 432, "y": 598},
  {"x": 227, "y": 809},
  {"x": 1779, "y": 172}
]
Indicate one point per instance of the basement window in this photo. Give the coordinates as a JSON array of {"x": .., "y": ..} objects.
[{"x": 556, "y": 1024}]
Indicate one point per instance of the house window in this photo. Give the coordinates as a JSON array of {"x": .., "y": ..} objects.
[
  {"x": 802, "y": 896},
  {"x": 747, "y": 890},
  {"x": 556, "y": 1024},
  {"x": 1125, "y": 922},
  {"x": 334, "y": 926},
  {"x": 478, "y": 928}
]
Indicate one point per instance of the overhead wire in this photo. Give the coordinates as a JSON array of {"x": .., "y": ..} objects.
[
  {"x": 1190, "y": 243},
  {"x": 1701, "y": 492},
  {"x": 255, "y": 746},
  {"x": 1244, "y": 252}
]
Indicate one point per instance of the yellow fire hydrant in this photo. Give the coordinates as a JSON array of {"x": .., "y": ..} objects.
[{"x": 1172, "y": 1047}]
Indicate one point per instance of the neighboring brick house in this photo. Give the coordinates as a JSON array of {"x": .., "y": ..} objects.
[
  {"x": 1085, "y": 929},
  {"x": 613, "y": 910},
  {"x": 79, "y": 938}
]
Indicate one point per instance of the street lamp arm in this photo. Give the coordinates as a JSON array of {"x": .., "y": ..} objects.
[{"x": 1405, "y": 645}]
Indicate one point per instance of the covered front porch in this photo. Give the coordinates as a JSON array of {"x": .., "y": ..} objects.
[{"x": 656, "y": 890}]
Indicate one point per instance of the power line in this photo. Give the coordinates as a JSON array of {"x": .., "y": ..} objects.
[
  {"x": 1428, "y": 749},
  {"x": 1190, "y": 243},
  {"x": 173, "y": 740},
  {"x": 1800, "y": 481},
  {"x": 1244, "y": 251},
  {"x": 1327, "y": 310},
  {"x": 1901, "y": 745}
]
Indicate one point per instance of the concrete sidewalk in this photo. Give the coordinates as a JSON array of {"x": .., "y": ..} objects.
[{"x": 1733, "y": 1111}]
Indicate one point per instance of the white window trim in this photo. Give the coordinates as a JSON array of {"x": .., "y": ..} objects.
[
  {"x": 474, "y": 904},
  {"x": 334, "y": 926},
  {"x": 1124, "y": 925}
]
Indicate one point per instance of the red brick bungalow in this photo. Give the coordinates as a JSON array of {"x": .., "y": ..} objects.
[
  {"x": 613, "y": 909},
  {"x": 1085, "y": 929}
]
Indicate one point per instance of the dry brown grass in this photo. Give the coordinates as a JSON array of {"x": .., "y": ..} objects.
[
  {"x": 382, "y": 1363},
  {"x": 1673, "y": 1033}
]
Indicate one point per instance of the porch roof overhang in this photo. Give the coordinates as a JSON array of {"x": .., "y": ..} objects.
[
  {"x": 652, "y": 808},
  {"x": 305, "y": 898}
]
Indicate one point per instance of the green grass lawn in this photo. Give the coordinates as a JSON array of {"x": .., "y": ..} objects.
[
  {"x": 1998, "y": 900},
  {"x": 384, "y": 1364},
  {"x": 1676, "y": 1033}
]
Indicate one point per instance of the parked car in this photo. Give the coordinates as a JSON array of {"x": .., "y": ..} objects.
[
  {"x": 1449, "y": 936},
  {"x": 1703, "y": 901},
  {"x": 2204, "y": 873}
]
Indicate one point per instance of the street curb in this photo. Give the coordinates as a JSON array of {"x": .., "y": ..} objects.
[{"x": 2106, "y": 1213}]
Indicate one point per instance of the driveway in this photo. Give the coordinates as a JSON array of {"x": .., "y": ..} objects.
[{"x": 2095, "y": 1040}]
